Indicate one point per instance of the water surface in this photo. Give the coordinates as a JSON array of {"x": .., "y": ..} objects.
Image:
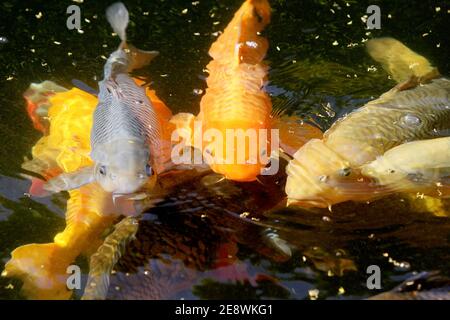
[{"x": 319, "y": 70}]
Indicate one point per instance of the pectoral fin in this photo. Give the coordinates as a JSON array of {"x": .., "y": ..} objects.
[{"x": 69, "y": 181}]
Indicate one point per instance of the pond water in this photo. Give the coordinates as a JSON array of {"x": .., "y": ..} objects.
[{"x": 194, "y": 244}]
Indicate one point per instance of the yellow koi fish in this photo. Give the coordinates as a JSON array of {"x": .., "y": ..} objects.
[{"x": 325, "y": 172}]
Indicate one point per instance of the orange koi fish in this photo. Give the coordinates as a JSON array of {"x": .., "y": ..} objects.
[{"x": 235, "y": 102}]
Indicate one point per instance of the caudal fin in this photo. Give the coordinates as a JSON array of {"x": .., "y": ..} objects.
[
  {"x": 399, "y": 61},
  {"x": 118, "y": 18}
]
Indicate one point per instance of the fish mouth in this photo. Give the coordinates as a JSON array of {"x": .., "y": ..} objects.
[{"x": 136, "y": 196}]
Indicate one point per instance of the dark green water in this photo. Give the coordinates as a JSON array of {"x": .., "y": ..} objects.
[{"x": 311, "y": 75}]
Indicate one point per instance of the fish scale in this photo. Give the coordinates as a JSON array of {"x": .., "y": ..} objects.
[
  {"x": 370, "y": 128},
  {"x": 127, "y": 119}
]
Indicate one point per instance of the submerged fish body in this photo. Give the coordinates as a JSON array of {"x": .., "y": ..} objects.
[
  {"x": 418, "y": 166},
  {"x": 126, "y": 134},
  {"x": 423, "y": 286},
  {"x": 43, "y": 267},
  {"x": 325, "y": 172}
]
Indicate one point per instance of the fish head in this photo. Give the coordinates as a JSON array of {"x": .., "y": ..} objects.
[
  {"x": 124, "y": 168},
  {"x": 319, "y": 177}
]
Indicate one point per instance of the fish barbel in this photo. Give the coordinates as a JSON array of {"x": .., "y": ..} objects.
[
  {"x": 325, "y": 172},
  {"x": 418, "y": 166},
  {"x": 125, "y": 136}
]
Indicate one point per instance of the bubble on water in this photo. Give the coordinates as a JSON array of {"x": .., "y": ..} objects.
[
  {"x": 244, "y": 214},
  {"x": 402, "y": 266},
  {"x": 197, "y": 92},
  {"x": 313, "y": 294}
]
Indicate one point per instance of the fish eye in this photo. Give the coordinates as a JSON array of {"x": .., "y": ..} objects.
[
  {"x": 102, "y": 170},
  {"x": 149, "y": 170},
  {"x": 345, "y": 172}
]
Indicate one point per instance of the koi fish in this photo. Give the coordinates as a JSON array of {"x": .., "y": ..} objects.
[
  {"x": 125, "y": 139},
  {"x": 325, "y": 172},
  {"x": 236, "y": 102},
  {"x": 418, "y": 166},
  {"x": 90, "y": 211},
  {"x": 43, "y": 267}
]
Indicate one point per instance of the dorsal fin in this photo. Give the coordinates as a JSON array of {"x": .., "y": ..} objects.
[{"x": 399, "y": 61}]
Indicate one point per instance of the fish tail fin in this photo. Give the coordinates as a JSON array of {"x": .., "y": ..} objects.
[
  {"x": 118, "y": 18},
  {"x": 399, "y": 61},
  {"x": 42, "y": 268}
]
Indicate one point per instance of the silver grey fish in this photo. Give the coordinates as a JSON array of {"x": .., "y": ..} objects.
[{"x": 125, "y": 137}]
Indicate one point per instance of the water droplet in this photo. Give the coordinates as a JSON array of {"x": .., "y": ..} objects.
[
  {"x": 313, "y": 294},
  {"x": 197, "y": 92}
]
